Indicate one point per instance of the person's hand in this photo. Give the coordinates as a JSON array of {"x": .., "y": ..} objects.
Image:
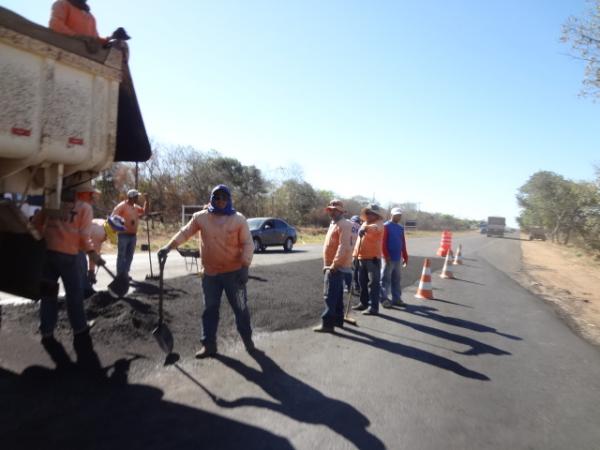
[
  {"x": 243, "y": 276},
  {"x": 120, "y": 34},
  {"x": 362, "y": 232},
  {"x": 91, "y": 276},
  {"x": 355, "y": 263},
  {"x": 96, "y": 258},
  {"x": 163, "y": 252},
  {"x": 405, "y": 263}
]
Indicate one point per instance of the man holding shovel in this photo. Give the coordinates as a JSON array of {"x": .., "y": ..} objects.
[
  {"x": 226, "y": 252},
  {"x": 337, "y": 259}
]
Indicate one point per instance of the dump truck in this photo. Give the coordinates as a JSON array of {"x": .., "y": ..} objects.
[
  {"x": 496, "y": 226},
  {"x": 67, "y": 111}
]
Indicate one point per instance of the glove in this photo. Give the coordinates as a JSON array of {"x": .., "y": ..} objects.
[
  {"x": 95, "y": 257},
  {"x": 163, "y": 252},
  {"x": 91, "y": 277},
  {"x": 120, "y": 34},
  {"x": 243, "y": 276},
  {"x": 362, "y": 232}
]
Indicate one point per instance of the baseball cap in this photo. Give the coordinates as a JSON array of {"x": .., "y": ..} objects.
[
  {"x": 396, "y": 212},
  {"x": 373, "y": 208},
  {"x": 132, "y": 193}
]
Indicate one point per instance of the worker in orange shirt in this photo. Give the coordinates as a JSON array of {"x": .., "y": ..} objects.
[
  {"x": 337, "y": 260},
  {"x": 73, "y": 18},
  {"x": 131, "y": 212},
  {"x": 65, "y": 234},
  {"x": 226, "y": 252},
  {"x": 368, "y": 250}
]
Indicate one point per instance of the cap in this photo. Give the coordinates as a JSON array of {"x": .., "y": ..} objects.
[
  {"x": 337, "y": 205},
  {"x": 396, "y": 212},
  {"x": 355, "y": 219},
  {"x": 132, "y": 193},
  {"x": 373, "y": 208},
  {"x": 117, "y": 223}
]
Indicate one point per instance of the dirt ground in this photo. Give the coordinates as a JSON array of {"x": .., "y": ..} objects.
[{"x": 568, "y": 279}]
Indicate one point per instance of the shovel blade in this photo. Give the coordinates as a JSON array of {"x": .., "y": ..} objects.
[
  {"x": 163, "y": 337},
  {"x": 119, "y": 286}
]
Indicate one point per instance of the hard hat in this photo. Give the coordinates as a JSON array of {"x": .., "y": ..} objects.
[{"x": 117, "y": 223}]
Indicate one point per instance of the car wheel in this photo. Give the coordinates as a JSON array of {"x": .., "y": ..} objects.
[
  {"x": 257, "y": 246},
  {"x": 288, "y": 245}
]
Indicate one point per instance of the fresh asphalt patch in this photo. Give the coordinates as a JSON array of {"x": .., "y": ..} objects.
[{"x": 280, "y": 297}]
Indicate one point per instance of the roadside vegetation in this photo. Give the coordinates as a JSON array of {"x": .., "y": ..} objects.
[
  {"x": 177, "y": 176},
  {"x": 568, "y": 210}
]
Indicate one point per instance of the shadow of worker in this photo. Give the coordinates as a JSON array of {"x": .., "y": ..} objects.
[
  {"x": 299, "y": 401},
  {"x": 57, "y": 409}
]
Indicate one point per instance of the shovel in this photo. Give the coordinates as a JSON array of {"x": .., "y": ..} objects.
[
  {"x": 347, "y": 318},
  {"x": 161, "y": 333},
  {"x": 120, "y": 284}
]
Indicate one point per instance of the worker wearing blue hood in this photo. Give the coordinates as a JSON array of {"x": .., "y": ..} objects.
[{"x": 226, "y": 250}]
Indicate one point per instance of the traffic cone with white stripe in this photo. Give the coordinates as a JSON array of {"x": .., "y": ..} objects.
[
  {"x": 458, "y": 259},
  {"x": 447, "y": 271},
  {"x": 425, "y": 290}
]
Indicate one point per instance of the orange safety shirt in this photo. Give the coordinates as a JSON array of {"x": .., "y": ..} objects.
[
  {"x": 69, "y": 232},
  {"x": 98, "y": 236},
  {"x": 339, "y": 241},
  {"x": 369, "y": 246},
  {"x": 131, "y": 214},
  {"x": 225, "y": 241},
  {"x": 70, "y": 20}
]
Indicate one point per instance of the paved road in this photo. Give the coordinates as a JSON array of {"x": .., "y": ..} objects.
[{"x": 486, "y": 365}]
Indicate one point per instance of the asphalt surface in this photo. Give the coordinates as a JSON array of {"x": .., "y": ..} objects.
[{"x": 486, "y": 365}]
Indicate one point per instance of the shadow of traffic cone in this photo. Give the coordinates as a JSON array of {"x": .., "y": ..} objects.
[
  {"x": 425, "y": 290},
  {"x": 447, "y": 271},
  {"x": 458, "y": 259}
]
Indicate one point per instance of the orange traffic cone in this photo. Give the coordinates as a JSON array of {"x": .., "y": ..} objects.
[
  {"x": 445, "y": 243},
  {"x": 447, "y": 270},
  {"x": 458, "y": 259},
  {"x": 425, "y": 290}
]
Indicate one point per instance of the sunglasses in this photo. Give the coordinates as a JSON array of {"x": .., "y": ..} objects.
[{"x": 218, "y": 197}]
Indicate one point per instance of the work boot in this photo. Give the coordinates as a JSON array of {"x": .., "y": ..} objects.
[
  {"x": 323, "y": 329},
  {"x": 87, "y": 358},
  {"x": 359, "y": 307},
  {"x": 399, "y": 303},
  {"x": 386, "y": 304},
  {"x": 370, "y": 312},
  {"x": 57, "y": 353},
  {"x": 206, "y": 351}
]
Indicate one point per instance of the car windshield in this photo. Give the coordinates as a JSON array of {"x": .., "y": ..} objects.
[{"x": 253, "y": 224}]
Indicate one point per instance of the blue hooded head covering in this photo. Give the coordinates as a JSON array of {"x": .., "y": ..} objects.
[{"x": 212, "y": 208}]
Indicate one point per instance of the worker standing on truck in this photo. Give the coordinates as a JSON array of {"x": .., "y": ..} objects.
[
  {"x": 394, "y": 255},
  {"x": 337, "y": 260},
  {"x": 131, "y": 212},
  {"x": 226, "y": 251},
  {"x": 73, "y": 18},
  {"x": 65, "y": 234},
  {"x": 368, "y": 252}
]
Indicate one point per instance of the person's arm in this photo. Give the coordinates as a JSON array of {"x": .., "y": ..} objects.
[
  {"x": 247, "y": 250},
  {"x": 192, "y": 227},
  {"x": 146, "y": 207},
  {"x": 404, "y": 250},
  {"x": 384, "y": 246}
]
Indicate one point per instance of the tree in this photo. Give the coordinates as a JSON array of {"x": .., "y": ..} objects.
[{"x": 583, "y": 34}]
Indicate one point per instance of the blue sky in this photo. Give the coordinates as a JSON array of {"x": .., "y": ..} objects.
[{"x": 451, "y": 104}]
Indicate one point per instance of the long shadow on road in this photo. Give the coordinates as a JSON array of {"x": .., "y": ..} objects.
[
  {"x": 429, "y": 313},
  {"x": 299, "y": 401},
  {"x": 476, "y": 347},
  {"x": 413, "y": 353},
  {"x": 55, "y": 409}
]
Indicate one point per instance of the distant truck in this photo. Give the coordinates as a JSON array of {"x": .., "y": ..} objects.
[
  {"x": 66, "y": 113},
  {"x": 496, "y": 226}
]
